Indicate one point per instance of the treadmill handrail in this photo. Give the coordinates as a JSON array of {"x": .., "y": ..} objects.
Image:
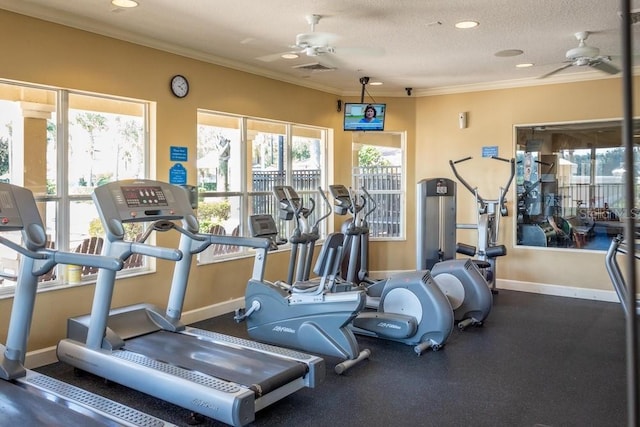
[
  {"x": 46, "y": 259},
  {"x": 21, "y": 249},
  {"x": 89, "y": 260},
  {"x": 248, "y": 242},
  {"x": 125, "y": 249}
]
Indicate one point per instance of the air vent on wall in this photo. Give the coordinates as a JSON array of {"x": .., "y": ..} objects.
[{"x": 315, "y": 66}]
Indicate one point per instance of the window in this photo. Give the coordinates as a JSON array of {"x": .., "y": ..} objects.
[
  {"x": 378, "y": 166},
  {"x": 61, "y": 145},
  {"x": 570, "y": 187},
  {"x": 240, "y": 160}
]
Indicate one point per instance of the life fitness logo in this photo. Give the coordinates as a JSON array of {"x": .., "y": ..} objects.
[
  {"x": 388, "y": 325},
  {"x": 284, "y": 329}
]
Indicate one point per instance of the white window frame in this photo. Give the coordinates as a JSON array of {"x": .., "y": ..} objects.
[
  {"x": 246, "y": 192},
  {"x": 372, "y": 139},
  {"x": 60, "y": 202}
]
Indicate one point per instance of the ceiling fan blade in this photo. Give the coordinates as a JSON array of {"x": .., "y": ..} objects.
[
  {"x": 329, "y": 61},
  {"x": 604, "y": 65},
  {"x": 557, "y": 70}
]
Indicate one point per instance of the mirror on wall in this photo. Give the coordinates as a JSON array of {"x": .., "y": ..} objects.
[{"x": 570, "y": 184}]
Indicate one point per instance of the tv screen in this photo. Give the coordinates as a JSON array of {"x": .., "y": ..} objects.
[{"x": 364, "y": 116}]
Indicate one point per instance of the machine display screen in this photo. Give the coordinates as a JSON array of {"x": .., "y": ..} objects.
[{"x": 143, "y": 196}]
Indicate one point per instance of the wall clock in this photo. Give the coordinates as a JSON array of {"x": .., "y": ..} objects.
[{"x": 179, "y": 86}]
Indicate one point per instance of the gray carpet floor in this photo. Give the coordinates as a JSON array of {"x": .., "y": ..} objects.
[{"x": 538, "y": 361}]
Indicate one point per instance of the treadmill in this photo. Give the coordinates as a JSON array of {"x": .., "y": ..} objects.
[
  {"x": 26, "y": 397},
  {"x": 147, "y": 349}
]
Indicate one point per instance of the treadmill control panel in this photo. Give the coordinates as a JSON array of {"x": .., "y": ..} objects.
[
  {"x": 144, "y": 196},
  {"x": 9, "y": 215},
  {"x": 142, "y": 200}
]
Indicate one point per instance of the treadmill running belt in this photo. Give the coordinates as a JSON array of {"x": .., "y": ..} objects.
[
  {"x": 20, "y": 407},
  {"x": 260, "y": 372}
]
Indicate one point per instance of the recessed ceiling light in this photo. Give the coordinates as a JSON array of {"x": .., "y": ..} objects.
[
  {"x": 375, "y": 83},
  {"x": 124, "y": 3},
  {"x": 289, "y": 56},
  {"x": 509, "y": 52},
  {"x": 524, "y": 65},
  {"x": 467, "y": 24}
]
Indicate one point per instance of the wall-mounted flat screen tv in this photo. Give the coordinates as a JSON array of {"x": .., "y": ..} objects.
[{"x": 364, "y": 116}]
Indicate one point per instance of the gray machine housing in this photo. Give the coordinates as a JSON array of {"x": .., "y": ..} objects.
[
  {"x": 435, "y": 222},
  {"x": 411, "y": 310},
  {"x": 461, "y": 280},
  {"x": 304, "y": 314},
  {"x": 408, "y": 307}
]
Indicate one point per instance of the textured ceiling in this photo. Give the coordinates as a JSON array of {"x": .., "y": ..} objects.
[{"x": 403, "y": 43}]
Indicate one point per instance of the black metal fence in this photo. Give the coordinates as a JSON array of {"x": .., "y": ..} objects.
[{"x": 384, "y": 183}]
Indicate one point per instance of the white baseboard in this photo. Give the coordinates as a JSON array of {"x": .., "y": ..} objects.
[
  {"x": 214, "y": 310},
  {"x": 561, "y": 291},
  {"x": 537, "y": 288},
  {"x": 47, "y": 356},
  {"x": 384, "y": 273}
]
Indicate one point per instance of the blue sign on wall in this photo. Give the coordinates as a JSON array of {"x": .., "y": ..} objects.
[
  {"x": 177, "y": 175},
  {"x": 178, "y": 154},
  {"x": 490, "y": 151}
]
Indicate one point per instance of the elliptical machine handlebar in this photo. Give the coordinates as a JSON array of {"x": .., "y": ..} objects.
[
  {"x": 329, "y": 209},
  {"x": 505, "y": 189},
  {"x": 374, "y": 205},
  {"x": 474, "y": 190}
]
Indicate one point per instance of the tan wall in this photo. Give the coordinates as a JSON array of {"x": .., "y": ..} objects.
[
  {"x": 492, "y": 117},
  {"x": 43, "y": 53},
  {"x": 50, "y": 54}
]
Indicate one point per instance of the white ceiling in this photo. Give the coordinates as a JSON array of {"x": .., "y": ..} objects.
[{"x": 403, "y": 43}]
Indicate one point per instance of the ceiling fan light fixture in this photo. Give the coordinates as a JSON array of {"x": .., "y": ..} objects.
[
  {"x": 466, "y": 24},
  {"x": 124, "y": 3}
]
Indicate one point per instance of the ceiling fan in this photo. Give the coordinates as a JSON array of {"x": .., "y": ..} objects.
[
  {"x": 585, "y": 55},
  {"x": 315, "y": 44},
  {"x": 310, "y": 44}
]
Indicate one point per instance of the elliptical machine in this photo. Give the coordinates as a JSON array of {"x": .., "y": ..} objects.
[
  {"x": 301, "y": 314},
  {"x": 305, "y": 235},
  {"x": 488, "y": 224},
  {"x": 459, "y": 280},
  {"x": 408, "y": 307}
]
